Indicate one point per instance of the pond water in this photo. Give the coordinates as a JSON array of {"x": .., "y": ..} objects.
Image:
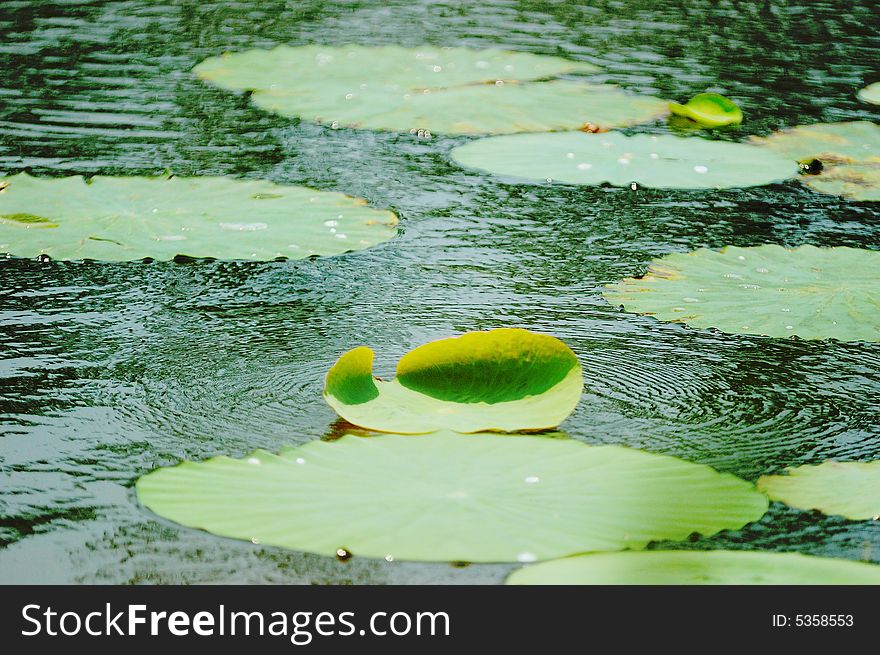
[{"x": 110, "y": 370}]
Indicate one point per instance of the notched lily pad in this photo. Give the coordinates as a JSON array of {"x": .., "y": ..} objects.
[
  {"x": 131, "y": 218},
  {"x": 850, "y": 489},
  {"x": 507, "y": 379},
  {"x": 849, "y": 154},
  {"x": 659, "y": 161},
  {"x": 448, "y": 90},
  {"x": 814, "y": 293},
  {"x": 715, "y": 567},
  {"x": 709, "y": 110},
  {"x": 870, "y": 93},
  {"x": 451, "y": 497}
]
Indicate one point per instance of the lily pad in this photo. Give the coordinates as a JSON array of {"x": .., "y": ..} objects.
[
  {"x": 814, "y": 293},
  {"x": 451, "y": 497},
  {"x": 450, "y": 90},
  {"x": 130, "y": 218},
  {"x": 850, "y": 489},
  {"x": 504, "y": 380},
  {"x": 715, "y": 567},
  {"x": 870, "y": 93},
  {"x": 709, "y": 110},
  {"x": 849, "y": 154},
  {"x": 659, "y": 161}
]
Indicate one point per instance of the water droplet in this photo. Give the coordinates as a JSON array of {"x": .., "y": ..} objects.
[
  {"x": 585, "y": 166},
  {"x": 44, "y": 259},
  {"x": 437, "y": 69},
  {"x": 343, "y": 554},
  {"x": 171, "y": 237},
  {"x": 499, "y": 82},
  {"x": 349, "y": 96},
  {"x": 244, "y": 227},
  {"x": 549, "y": 180},
  {"x": 741, "y": 258},
  {"x": 570, "y": 155},
  {"x": 678, "y": 309},
  {"x": 532, "y": 479},
  {"x": 155, "y": 210},
  {"x": 634, "y": 186},
  {"x": 482, "y": 64},
  {"x": 341, "y": 236},
  {"x": 334, "y": 125},
  {"x": 691, "y": 299},
  {"x": 300, "y": 460},
  {"x": 786, "y": 309},
  {"x": 623, "y": 161},
  {"x": 762, "y": 270},
  {"x": 525, "y": 558},
  {"x": 654, "y": 155},
  {"x": 389, "y": 557},
  {"x": 789, "y": 327},
  {"x": 701, "y": 169},
  {"x": 253, "y": 460},
  {"x": 254, "y": 540}
]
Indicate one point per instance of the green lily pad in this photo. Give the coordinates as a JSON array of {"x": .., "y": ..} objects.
[
  {"x": 451, "y": 497},
  {"x": 715, "y": 567},
  {"x": 659, "y": 161},
  {"x": 850, "y": 489},
  {"x": 130, "y": 218},
  {"x": 814, "y": 293},
  {"x": 504, "y": 380},
  {"x": 849, "y": 154},
  {"x": 709, "y": 110},
  {"x": 870, "y": 93},
  {"x": 450, "y": 90}
]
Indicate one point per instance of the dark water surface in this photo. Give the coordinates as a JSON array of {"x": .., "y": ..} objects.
[{"x": 110, "y": 370}]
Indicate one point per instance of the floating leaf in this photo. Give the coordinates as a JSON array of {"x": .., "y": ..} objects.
[
  {"x": 709, "y": 110},
  {"x": 849, "y": 153},
  {"x": 129, "y": 218},
  {"x": 814, "y": 293},
  {"x": 870, "y": 93},
  {"x": 505, "y": 380},
  {"x": 715, "y": 567},
  {"x": 650, "y": 160},
  {"x": 850, "y": 489},
  {"x": 450, "y": 497},
  {"x": 451, "y": 90}
]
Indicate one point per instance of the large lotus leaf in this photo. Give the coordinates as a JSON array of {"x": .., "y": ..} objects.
[
  {"x": 660, "y": 161},
  {"x": 850, "y": 489},
  {"x": 712, "y": 567},
  {"x": 451, "y": 497},
  {"x": 709, "y": 110},
  {"x": 849, "y": 152},
  {"x": 871, "y": 93},
  {"x": 451, "y": 90},
  {"x": 814, "y": 293},
  {"x": 129, "y": 218},
  {"x": 505, "y": 380}
]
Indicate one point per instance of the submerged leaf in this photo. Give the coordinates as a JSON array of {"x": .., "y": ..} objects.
[
  {"x": 130, "y": 218},
  {"x": 659, "y": 161},
  {"x": 849, "y": 154},
  {"x": 814, "y": 293},
  {"x": 850, "y": 489},
  {"x": 715, "y": 567},
  {"x": 450, "y": 497},
  {"x": 505, "y": 379},
  {"x": 450, "y": 90},
  {"x": 709, "y": 110}
]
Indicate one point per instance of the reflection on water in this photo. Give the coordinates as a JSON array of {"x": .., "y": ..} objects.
[{"x": 109, "y": 370}]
